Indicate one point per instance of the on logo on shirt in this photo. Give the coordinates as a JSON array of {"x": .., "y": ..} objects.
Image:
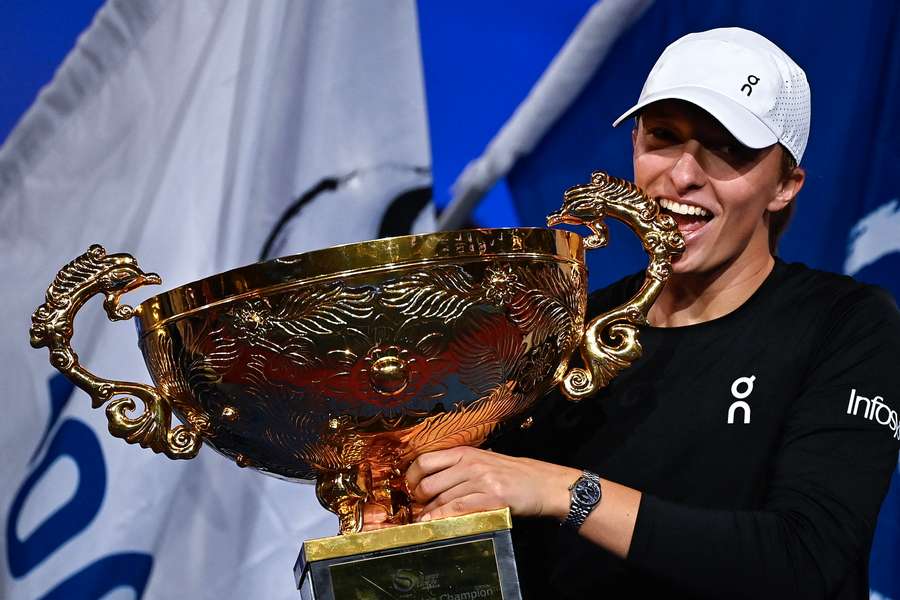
[{"x": 741, "y": 390}]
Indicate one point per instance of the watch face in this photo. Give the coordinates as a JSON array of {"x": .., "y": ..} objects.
[{"x": 586, "y": 492}]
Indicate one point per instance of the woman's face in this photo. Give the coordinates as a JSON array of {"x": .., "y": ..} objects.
[{"x": 717, "y": 190}]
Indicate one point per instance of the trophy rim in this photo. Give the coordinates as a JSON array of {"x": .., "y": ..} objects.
[{"x": 356, "y": 258}]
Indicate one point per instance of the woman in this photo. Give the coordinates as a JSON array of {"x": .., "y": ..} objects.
[{"x": 747, "y": 452}]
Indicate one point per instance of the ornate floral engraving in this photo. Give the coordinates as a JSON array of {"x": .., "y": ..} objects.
[
  {"x": 467, "y": 425},
  {"x": 501, "y": 284},
  {"x": 344, "y": 380},
  {"x": 444, "y": 292}
]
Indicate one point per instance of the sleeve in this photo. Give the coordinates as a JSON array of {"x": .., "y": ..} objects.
[{"x": 839, "y": 447}]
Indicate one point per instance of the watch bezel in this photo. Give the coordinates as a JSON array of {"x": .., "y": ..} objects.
[{"x": 586, "y": 492}]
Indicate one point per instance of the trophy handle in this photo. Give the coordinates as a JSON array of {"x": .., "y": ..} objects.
[
  {"x": 96, "y": 272},
  {"x": 610, "y": 342}
]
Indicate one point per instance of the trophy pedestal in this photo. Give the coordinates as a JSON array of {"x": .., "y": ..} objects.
[{"x": 460, "y": 557}]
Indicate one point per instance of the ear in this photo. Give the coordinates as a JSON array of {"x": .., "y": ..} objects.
[{"x": 787, "y": 189}]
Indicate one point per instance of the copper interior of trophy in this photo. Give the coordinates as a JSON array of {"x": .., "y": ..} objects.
[{"x": 343, "y": 365}]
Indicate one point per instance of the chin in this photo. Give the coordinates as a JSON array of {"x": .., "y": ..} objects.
[
  {"x": 691, "y": 262},
  {"x": 684, "y": 263}
]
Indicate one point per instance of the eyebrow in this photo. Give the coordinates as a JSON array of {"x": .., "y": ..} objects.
[{"x": 706, "y": 131}]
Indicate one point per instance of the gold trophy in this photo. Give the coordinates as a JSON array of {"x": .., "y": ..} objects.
[{"x": 341, "y": 366}]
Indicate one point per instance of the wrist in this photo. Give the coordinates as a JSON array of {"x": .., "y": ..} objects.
[{"x": 557, "y": 504}]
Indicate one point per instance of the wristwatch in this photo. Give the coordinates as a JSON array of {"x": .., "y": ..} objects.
[{"x": 584, "y": 495}]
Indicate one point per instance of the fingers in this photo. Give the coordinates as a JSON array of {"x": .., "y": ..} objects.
[
  {"x": 439, "y": 483},
  {"x": 374, "y": 513},
  {"x": 376, "y": 526},
  {"x": 462, "y": 480},
  {"x": 457, "y": 491},
  {"x": 432, "y": 462},
  {"x": 462, "y": 506},
  {"x": 374, "y": 517}
]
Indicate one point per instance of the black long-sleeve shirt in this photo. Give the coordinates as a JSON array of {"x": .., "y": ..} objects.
[{"x": 763, "y": 443}]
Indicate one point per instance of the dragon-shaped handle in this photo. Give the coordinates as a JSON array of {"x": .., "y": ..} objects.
[
  {"x": 610, "y": 343},
  {"x": 96, "y": 272}
]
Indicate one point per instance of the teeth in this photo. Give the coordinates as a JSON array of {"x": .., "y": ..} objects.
[{"x": 683, "y": 209}]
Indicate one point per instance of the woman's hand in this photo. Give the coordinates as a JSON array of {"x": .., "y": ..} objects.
[
  {"x": 462, "y": 480},
  {"x": 376, "y": 517}
]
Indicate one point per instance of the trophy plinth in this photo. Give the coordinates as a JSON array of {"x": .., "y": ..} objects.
[{"x": 467, "y": 557}]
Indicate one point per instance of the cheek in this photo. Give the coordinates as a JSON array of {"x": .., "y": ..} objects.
[
  {"x": 742, "y": 199},
  {"x": 752, "y": 192},
  {"x": 648, "y": 167}
]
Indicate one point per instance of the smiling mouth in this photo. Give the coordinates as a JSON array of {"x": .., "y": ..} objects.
[{"x": 688, "y": 217}]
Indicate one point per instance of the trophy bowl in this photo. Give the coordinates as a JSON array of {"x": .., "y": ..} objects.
[{"x": 341, "y": 365}]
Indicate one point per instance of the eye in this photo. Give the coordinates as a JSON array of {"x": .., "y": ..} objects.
[
  {"x": 728, "y": 149},
  {"x": 735, "y": 151},
  {"x": 662, "y": 134}
]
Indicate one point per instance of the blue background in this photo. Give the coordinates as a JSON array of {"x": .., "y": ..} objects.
[{"x": 481, "y": 59}]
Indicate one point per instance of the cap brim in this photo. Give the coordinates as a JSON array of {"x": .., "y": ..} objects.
[{"x": 746, "y": 127}]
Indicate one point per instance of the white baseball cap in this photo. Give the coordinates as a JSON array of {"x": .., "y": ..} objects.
[{"x": 739, "y": 77}]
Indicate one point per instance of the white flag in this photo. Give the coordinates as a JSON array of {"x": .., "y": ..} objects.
[{"x": 191, "y": 135}]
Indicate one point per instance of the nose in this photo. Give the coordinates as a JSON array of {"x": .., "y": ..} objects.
[{"x": 687, "y": 173}]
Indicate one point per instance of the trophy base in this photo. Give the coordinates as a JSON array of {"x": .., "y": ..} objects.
[{"x": 457, "y": 558}]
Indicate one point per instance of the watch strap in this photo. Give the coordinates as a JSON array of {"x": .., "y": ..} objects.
[{"x": 578, "y": 511}]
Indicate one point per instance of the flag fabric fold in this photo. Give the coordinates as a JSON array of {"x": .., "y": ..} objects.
[
  {"x": 183, "y": 133},
  {"x": 551, "y": 96}
]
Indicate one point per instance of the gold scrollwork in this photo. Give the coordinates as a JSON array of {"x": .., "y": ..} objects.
[
  {"x": 610, "y": 342},
  {"x": 112, "y": 275}
]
